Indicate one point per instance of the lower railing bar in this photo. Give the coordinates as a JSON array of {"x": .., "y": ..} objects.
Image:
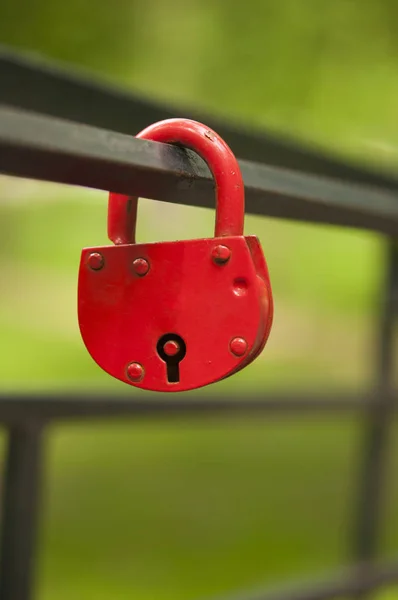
[
  {"x": 358, "y": 579},
  {"x": 20, "y": 498},
  {"x": 20, "y": 408}
]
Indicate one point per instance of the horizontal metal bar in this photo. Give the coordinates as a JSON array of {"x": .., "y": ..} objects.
[
  {"x": 42, "y": 87},
  {"x": 359, "y": 579},
  {"x": 50, "y": 149},
  {"x": 19, "y": 408}
]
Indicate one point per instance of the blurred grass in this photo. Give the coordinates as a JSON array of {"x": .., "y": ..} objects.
[
  {"x": 194, "y": 509},
  {"x": 179, "y": 510}
]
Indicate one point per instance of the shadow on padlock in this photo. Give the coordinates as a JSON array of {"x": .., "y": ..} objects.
[{"x": 175, "y": 316}]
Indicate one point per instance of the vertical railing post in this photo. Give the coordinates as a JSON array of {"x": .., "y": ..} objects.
[
  {"x": 20, "y": 503},
  {"x": 369, "y": 503}
]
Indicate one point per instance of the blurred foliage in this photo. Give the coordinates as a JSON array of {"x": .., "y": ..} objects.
[
  {"x": 195, "y": 509},
  {"x": 325, "y": 71},
  {"x": 181, "y": 510}
]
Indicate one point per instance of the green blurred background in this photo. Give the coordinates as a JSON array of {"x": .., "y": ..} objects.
[{"x": 184, "y": 510}]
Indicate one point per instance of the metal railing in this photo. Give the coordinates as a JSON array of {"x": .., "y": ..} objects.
[{"x": 69, "y": 129}]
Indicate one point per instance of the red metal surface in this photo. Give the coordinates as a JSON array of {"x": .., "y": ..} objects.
[
  {"x": 171, "y": 348},
  {"x": 221, "y": 254},
  {"x": 95, "y": 261},
  {"x": 141, "y": 266},
  {"x": 135, "y": 372},
  {"x": 122, "y": 210},
  {"x": 175, "y": 316},
  {"x": 238, "y": 346}
]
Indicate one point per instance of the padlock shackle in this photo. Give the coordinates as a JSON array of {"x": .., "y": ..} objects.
[{"x": 230, "y": 195}]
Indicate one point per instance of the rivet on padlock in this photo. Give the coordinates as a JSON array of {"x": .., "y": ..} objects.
[{"x": 174, "y": 316}]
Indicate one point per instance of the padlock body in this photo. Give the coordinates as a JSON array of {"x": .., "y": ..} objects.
[{"x": 123, "y": 315}]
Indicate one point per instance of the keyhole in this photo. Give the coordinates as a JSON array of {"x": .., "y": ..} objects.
[{"x": 172, "y": 349}]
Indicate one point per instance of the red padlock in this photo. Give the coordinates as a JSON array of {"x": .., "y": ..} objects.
[{"x": 174, "y": 316}]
